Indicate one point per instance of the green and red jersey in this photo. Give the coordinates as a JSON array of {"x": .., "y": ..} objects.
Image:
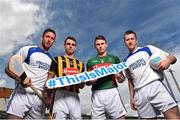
[{"x": 104, "y": 82}]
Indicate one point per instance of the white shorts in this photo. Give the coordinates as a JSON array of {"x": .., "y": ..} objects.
[
  {"x": 66, "y": 105},
  {"x": 106, "y": 104},
  {"x": 153, "y": 99},
  {"x": 25, "y": 105}
]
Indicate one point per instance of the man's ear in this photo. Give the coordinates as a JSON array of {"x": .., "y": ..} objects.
[
  {"x": 136, "y": 42},
  {"x": 106, "y": 45}
]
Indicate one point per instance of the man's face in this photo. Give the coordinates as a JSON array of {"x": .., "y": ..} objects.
[
  {"x": 70, "y": 46},
  {"x": 48, "y": 40},
  {"x": 101, "y": 46},
  {"x": 131, "y": 42}
]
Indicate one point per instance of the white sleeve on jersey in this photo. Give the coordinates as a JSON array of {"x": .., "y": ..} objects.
[
  {"x": 155, "y": 50},
  {"x": 23, "y": 52}
]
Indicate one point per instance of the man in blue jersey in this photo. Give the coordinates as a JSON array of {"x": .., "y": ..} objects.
[
  {"x": 24, "y": 103},
  {"x": 147, "y": 92}
]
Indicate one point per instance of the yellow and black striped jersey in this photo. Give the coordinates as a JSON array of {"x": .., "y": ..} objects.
[{"x": 63, "y": 66}]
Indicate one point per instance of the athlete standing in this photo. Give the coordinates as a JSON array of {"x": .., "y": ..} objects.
[
  {"x": 147, "y": 92},
  {"x": 24, "y": 103},
  {"x": 105, "y": 100},
  {"x": 66, "y": 100}
]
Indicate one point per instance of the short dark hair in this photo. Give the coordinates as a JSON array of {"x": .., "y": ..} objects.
[
  {"x": 70, "y": 37},
  {"x": 99, "y": 37},
  {"x": 130, "y": 32},
  {"x": 49, "y": 30}
]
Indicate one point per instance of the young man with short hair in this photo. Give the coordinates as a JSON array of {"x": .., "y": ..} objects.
[
  {"x": 24, "y": 103},
  {"x": 147, "y": 92},
  {"x": 66, "y": 100},
  {"x": 106, "y": 102}
]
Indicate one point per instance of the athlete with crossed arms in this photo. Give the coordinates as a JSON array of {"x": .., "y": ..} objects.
[
  {"x": 106, "y": 102},
  {"x": 147, "y": 92},
  {"x": 66, "y": 100},
  {"x": 24, "y": 103}
]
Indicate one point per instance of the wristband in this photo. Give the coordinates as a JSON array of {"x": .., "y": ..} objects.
[{"x": 23, "y": 76}]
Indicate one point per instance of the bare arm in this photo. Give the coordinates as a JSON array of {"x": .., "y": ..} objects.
[
  {"x": 15, "y": 70},
  {"x": 131, "y": 91},
  {"x": 91, "y": 82},
  {"x": 10, "y": 71},
  {"x": 11, "y": 74}
]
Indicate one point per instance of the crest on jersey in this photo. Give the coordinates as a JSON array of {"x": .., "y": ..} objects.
[{"x": 102, "y": 61}]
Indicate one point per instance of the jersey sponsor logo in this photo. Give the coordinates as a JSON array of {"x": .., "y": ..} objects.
[
  {"x": 85, "y": 76},
  {"x": 70, "y": 71},
  {"x": 137, "y": 64},
  {"x": 100, "y": 65},
  {"x": 43, "y": 65}
]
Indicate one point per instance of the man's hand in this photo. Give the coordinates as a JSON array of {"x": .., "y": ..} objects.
[
  {"x": 81, "y": 85},
  {"x": 164, "y": 64},
  {"x": 26, "y": 82},
  {"x": 91, "y": 82},
  {"x": 132, "y": 103},
  {"x": 120, "y": 77},
  {"x": 48, "y": 97}
]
